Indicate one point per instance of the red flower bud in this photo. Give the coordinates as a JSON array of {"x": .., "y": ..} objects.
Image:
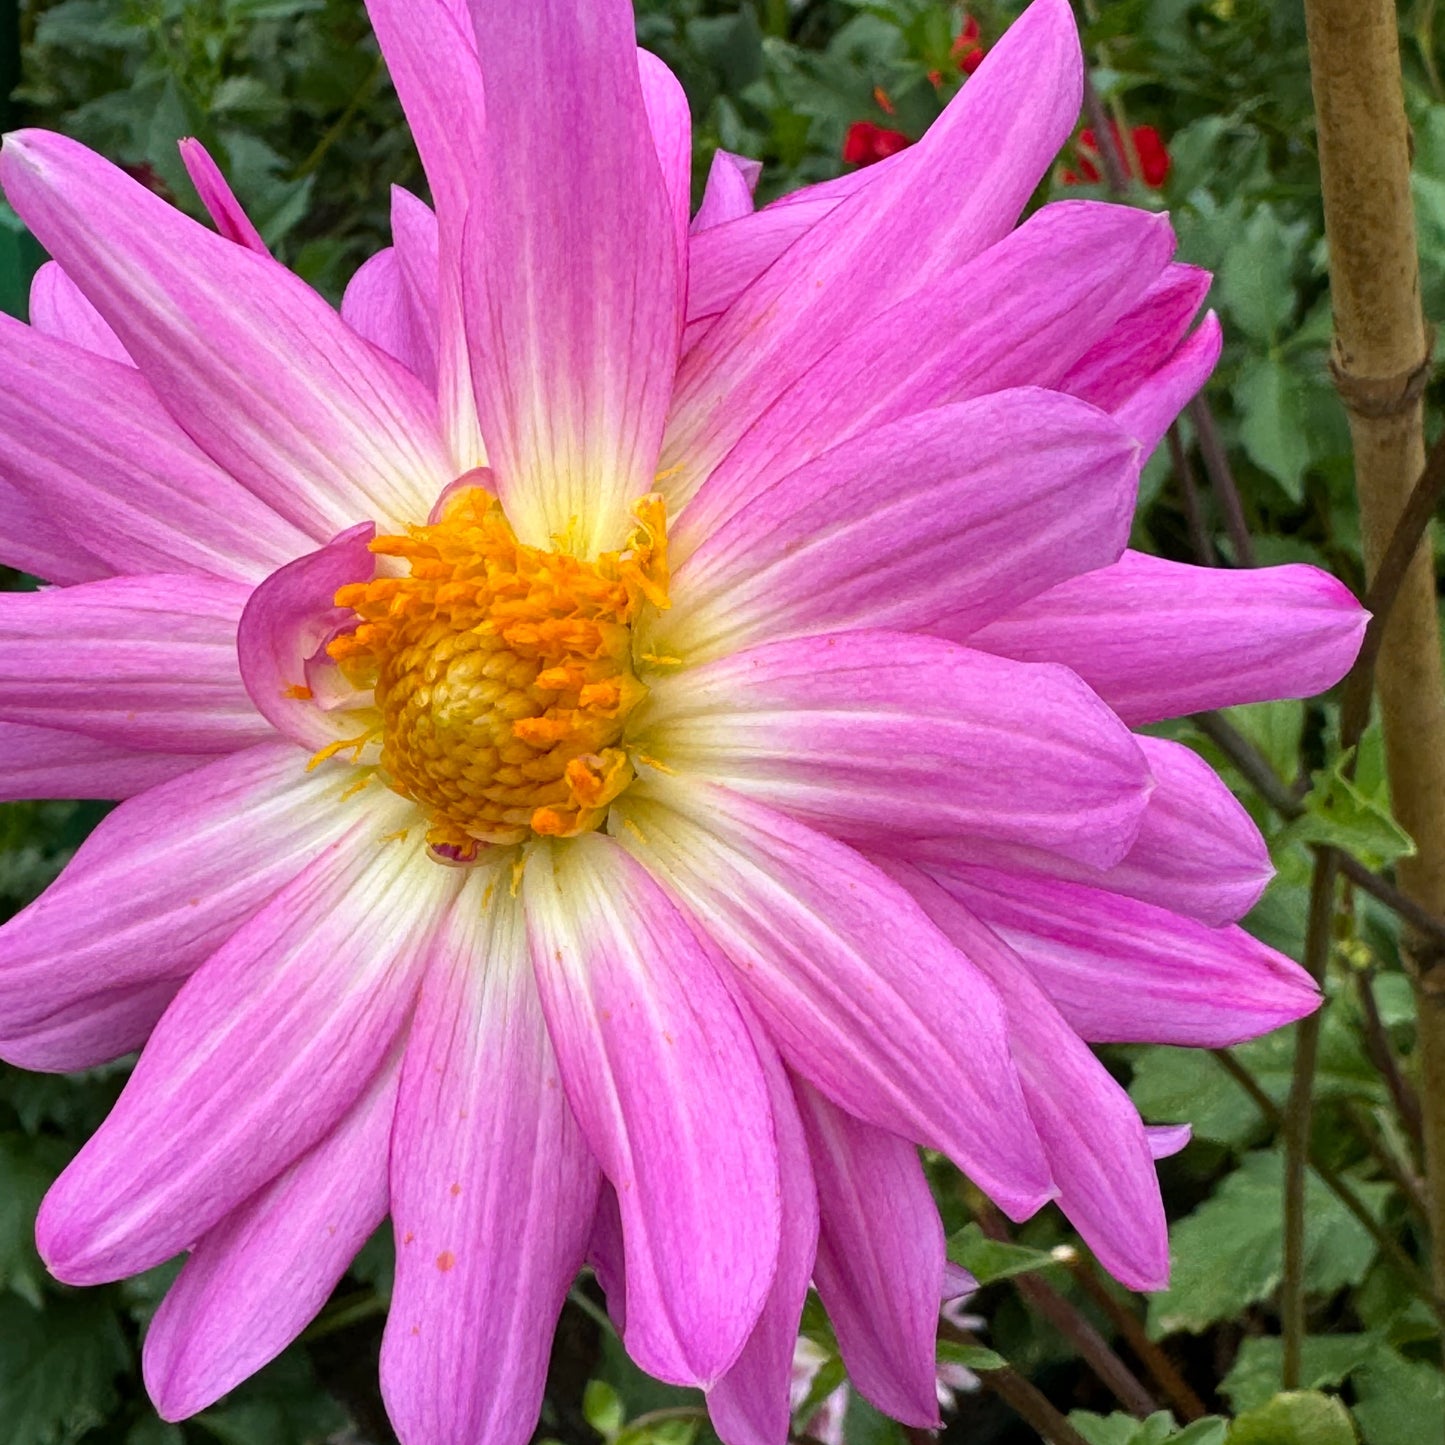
[{"x": 866, "y": 143}]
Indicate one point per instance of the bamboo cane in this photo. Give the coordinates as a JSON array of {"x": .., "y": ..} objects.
[{"x": 1381, "y": 362}]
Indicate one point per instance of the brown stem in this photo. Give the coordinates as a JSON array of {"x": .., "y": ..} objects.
[
  {"x": 1403, "y": 1177},
  {"x": 1297, "y": 1118},
  {"x": 1171, "y": 1383},
  {"x": 1221, "y": 478},
  {"x": 1389, "y": 577},
  {"x": 1111, "y": 163},
  {"x": 1070, "y": 1322},
  {"x": 1030, "y": 1404},
  {"x": 1416, "y": 1280},
  {"x": 1199, "y": 541},
  {"x": 1381, "y": 363},
  {"x": 1382, "y": 1056}
]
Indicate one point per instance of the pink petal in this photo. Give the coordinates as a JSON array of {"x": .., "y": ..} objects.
[
  {"x": 668, "y": 119},
  {"x": 431, "y": 54},
  {"x": 886, "y": 737},
  {"x": 1096, "y": 1145},
  {"x": 1150, "y": 411},
  {"x": 263, "y": 1052},
  {"x": 1158, "y": 639},
  {"x": 860, "y": 992},
  {"x": 282, "y": 637},
  {"x": 1141, "y": 341},
  {"x": 377, "y": 306},
  {"x": 31, "y": 541},
  {"x": 1127, "y": 972},
  {"x": 731, "y": 181},
  {"x": 48, "y": 763},
  {"x": 58, "y": 308},
  {"x": 726, "y": 259},
  {"x": 163, "y": 881},
  {"x": 903, "y": 527},
  {"x": 96, "y": 1030},
  {"x": 880, "y": 1258},
  {"x": 90, "y": 446},
  {"x": 418, "y": 240},
  {"x": 965, "y": 184},
  {"x": 572, "y": 272},
  {"x": 1166, "y": 1140},
  {"x": 1017, "y": 315},
  {"x": 143, "y": 662},
  {"x": 667, "y": 1087},
  {"x": 749, "y": 1404},
  {"x": 607, "y": 1256},
  {"x": 493, "y": 1189},
  {"x": 225, "y": 211},
  {"x": 259, "y": 370},
  {"x": 1198, "y": 852},
  {"x": 260, "y": 1276}
]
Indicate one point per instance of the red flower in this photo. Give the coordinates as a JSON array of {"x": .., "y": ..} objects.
[
  {"x": 866, "y": 143},
  {"x": 1148, "y": 146},
  {"x": 967, "y": 51}
]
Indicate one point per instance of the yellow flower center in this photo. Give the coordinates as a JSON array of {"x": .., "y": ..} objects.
[{"x": 502, "y": 673}]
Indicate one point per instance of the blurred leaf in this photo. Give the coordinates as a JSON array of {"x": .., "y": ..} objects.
[
  {"x": 27, "y": 1169},
  {"x": 1273, "y": 429},
  {"x": 283, "y": 1405},
  {"x": 1298, "y": 1418},
  {"x": 988, "y": 1260},
  {"x": 58, "y": 1367},
  {"x": 1325, "y": 1360},
  {"x": 1228, "y": 1254},
  {"x": 1255, "y": 274},
  {"x": 971, "y": 1357},
  {"x": 1399, "y": 1402},
  {"x": 602, "y": 1408}
]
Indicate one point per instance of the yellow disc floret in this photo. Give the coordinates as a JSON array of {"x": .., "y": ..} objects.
[{"x": 502, "y": 673}]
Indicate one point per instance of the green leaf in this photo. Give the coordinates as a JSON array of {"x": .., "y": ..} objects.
[
  {"x": 831, "y": 1375},
  {"x": 154, "y": 1431},
  {"x": 971, "y": 1357},
  {"x": 1342, "y": 815},
  {"x": 1211, "y": 1430},
  {"x": 1257, "y": 1374},
  {"x": 1298, "y": 1418},
  {"x": 27, "y": 1169},
  {"x": 1122, "y": 1429},
  {"x": 283, "y": 1405},
  {"x": 988, "y": 1260},
  {"x": 1256, "y": 276},
  {"x": 1228, "y": 1254},
  {"x": 1399, "y": 1401},
  {"x": 1274, "y": 422},
  {"x": 58, "y": 1367}
]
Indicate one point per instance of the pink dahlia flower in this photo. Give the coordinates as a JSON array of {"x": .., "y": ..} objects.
[{"x": 625, "y": 729}]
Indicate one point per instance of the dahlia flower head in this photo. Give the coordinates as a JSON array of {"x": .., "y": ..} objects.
[{"x": 625, "y": 732}]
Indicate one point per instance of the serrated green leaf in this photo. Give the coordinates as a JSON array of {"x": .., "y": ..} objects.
[
  {"x": 1122, "y": 1429},
  {"x": 1399, "y": 1401},
  {"x": 989, "y": 1260},
  {"x": 1301, "y": 1417},
  {"x": 58, "y": 1367},
  {"x": 1326, "y": 1360},
  {"x": 1341, "y": 814},
  {"x": 1228, "y": 1254}
]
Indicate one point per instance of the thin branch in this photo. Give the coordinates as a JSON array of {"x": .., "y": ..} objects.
[
  {"x": 1382, "y": 1056},
  {"x": 1415, "y": 1278},
  {"x": 1385, "y": 588},
  {"x": 1298, "y": 1116},
  {"x": 1069, "y": 1320},
  {"x": 1171, "y": 1383},
  {"x": 1199, "y": 540},
  {"x": 1404, "y": 1178},
  {"x": 1115, "y": 169},
  {"x": 1029, "y": 1403},
  {"x": 1221, "y": 478}
]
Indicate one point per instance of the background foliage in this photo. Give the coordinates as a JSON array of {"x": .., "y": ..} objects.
[{"x": 292, "y": 98}]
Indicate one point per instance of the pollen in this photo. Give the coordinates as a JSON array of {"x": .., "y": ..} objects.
[{"x": 502, "y": 673}]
